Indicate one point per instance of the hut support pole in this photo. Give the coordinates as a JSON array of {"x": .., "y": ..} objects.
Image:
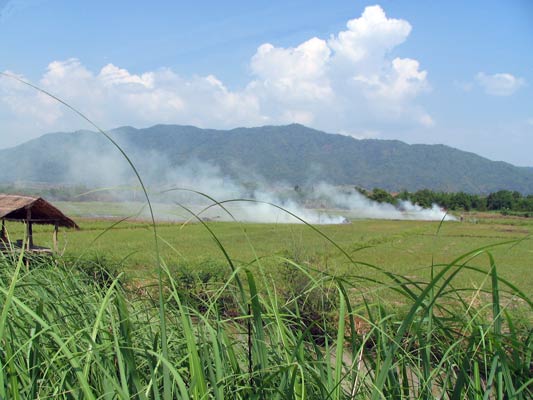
[
  {"x": 29, "y": 228},
  {"x": 3, "y": 235},
  {"x": 56, "y": 229}
]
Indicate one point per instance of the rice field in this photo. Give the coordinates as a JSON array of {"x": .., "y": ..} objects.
[{"x": 403, "y": 247}]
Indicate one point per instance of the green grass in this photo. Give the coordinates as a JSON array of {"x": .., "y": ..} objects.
[{"x": 404, "y": 247}]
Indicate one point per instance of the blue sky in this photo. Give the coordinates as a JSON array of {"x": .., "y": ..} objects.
[{"x": 454, "y": 72}]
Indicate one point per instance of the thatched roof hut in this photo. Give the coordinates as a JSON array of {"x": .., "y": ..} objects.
[
  {"x": 32, "y": 210},
  {"x": 15, "y": 208}
]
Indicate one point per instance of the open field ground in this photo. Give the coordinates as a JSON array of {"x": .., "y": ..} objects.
[{"x": 404, "y": 247}]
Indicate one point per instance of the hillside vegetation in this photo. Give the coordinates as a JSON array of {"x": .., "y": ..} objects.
[{"x": 292, "y": 154}]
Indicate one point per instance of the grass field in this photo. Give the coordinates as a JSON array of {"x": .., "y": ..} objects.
[{"x": 403, "y": 247}]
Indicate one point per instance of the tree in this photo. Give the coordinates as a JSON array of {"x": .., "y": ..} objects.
[
  {"x": 501, "y": 200},
  {"x": 382, "y": 196}
]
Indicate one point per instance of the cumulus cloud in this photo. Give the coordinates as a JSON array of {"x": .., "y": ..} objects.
[
  {"x": 299, "y": 73},
  {"x": 113, "y": 96},
  {"x": 501, "y": 84},
  {"x": 368, "y": 38},
  {"x": 346, "y": 82}
]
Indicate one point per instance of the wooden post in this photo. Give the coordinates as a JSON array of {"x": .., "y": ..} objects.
[
  {"x": 56, "y": 229},
  {"x": 3, "y": 235},
  {"x": 29, "y": 229}
]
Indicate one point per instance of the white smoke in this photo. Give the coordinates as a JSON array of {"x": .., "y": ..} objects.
[
  {"x": 268, "y": 208},
  {"x": 193, "y": 189},
  {"x": 360, "y": 206}
]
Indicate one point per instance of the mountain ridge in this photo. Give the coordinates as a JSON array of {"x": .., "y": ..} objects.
[{"x": 293, "y": 154}]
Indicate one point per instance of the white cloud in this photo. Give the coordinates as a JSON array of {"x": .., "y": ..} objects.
[
  {"x": 299, "y": 73},
  {"x": 403, "y": 80},
  {"x": 348, "y": 82},
  {"x": 369, "y": 37},
  {"x": 114, "y": 96},
  {"x": 502, "y": 84},
  {"x": 345, "y": 82},
  {"x": 112, "y": 75}
]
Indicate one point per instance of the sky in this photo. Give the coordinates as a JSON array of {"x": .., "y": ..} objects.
[{"x": 452, "y": 72}]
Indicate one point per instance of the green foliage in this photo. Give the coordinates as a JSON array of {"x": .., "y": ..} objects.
[
  {"x": 502, "y": 200},
  {"x": 382, "y": 196},
  {"x": 199, "y": 285},
  {"x": 99, "y": 269}
]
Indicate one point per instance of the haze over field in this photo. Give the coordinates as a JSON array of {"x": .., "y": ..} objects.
[
  {"x": 86, "y": 158},
  {"x": 211, "y": 197},
  {"x": 199, "y": 190}
]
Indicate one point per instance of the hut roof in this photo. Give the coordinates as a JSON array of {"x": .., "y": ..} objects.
[{"x": 14, "y": 207}]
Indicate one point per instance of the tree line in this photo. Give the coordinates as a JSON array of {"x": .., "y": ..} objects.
[{"x": 505, "y": 201}]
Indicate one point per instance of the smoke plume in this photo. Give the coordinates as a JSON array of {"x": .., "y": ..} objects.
[{"x": 196, "y": 187}]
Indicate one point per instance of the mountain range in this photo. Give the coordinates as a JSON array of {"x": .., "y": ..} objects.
[{"x": 293, "y": 154}]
